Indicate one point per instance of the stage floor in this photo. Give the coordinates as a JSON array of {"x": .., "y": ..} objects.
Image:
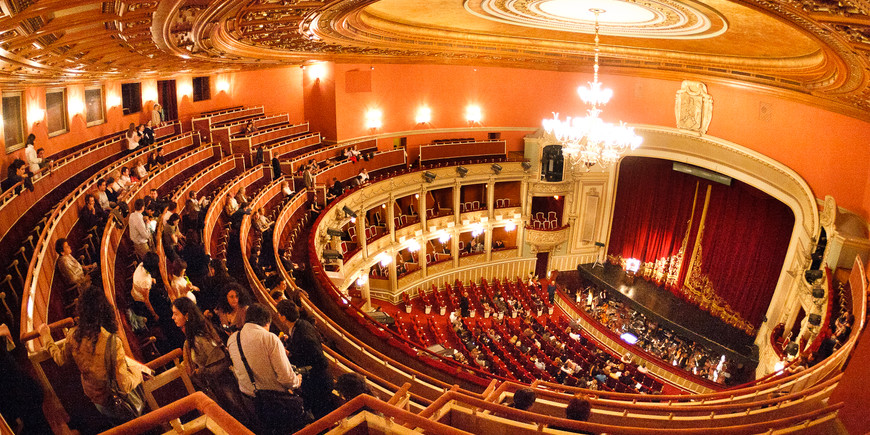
[{"x": 683, "y": 318}]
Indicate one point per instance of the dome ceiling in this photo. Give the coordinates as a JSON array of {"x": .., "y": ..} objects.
[{"x": 811, "y": 50}]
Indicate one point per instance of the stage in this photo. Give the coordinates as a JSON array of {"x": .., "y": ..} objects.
[{"x": 685, "y": 319}]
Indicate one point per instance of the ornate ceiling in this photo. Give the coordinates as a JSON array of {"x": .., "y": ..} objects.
[{"x": 814, "y": 50}]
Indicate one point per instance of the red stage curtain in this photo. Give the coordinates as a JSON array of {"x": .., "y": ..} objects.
[
  {"x": 746, "y": 236},
  {"x": 651, "y": 215}
]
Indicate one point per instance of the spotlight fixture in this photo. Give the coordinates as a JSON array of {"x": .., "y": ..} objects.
[
  {"x": 814, "y": 319},
  {"x": 334, "y": 232},
  {"x": 348, "y": 211},
  {"x": 331, "y": 254},
  {"x": 792, "y": 349},
  {"x": 813, "y": 275},
  {"x": 527, "y": 166},
  {"x": 818, "y": 292},
  {"x": 429, "y": 176},
  {"x": 462, "y": 171},
  {"x": 496, "y": 168}
]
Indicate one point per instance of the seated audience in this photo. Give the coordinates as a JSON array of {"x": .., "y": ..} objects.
[
  {"x": 144, "y": 278},
  {"x": 232, "y": 307},
  {"x": 33, "y": 161},
  {"x": 17, "y": 173},
  {"x": 155, "y": 159},
  {"x": 92, "y": 215},
  {"x": 524, "y": 398},
  {"x": 71, "y": 270},
  {"x": 179, "y": 285},
  {"x": 140, "y": 233}
]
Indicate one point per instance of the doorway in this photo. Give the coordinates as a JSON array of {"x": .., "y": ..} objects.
[
  {"x": 541, "y": 264},
  {"x": 168, "y": 99}
]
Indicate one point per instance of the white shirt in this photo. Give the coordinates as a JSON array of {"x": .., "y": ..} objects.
[
  {"x": 132, "y": 141},
  {"x": 180, "y": 288},
  {"x": 363, "y": 177},
  {"x": 141, "y": 172},
  {"x": 232, "y": 206},
  {"x": 103, "y": 200},
  {"x": 123, "y": 181},
  {"x": 139, "y": 232},
  {"x": 32, "y": 159},
  {"x": 266, "y": 357},
  {"x": 142, "y": 281}
]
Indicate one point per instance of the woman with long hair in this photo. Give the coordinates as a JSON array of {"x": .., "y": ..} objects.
[
  {"x": 206, "y": 357},
  {"x": 86, "y": 344},
  {"x": 232, "y": 307},
  {"x": 132, "y": 137}
]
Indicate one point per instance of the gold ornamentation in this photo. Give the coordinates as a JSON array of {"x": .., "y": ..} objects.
[{"x": 694, "y": 107}]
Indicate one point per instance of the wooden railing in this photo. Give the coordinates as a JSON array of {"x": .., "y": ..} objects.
[
  {"x": 222, "y": 132},
  {"x": 34, "y": 307},
  {"x": 203, "y": 123},
  {"x": 216, "y": 208},
  {"x": 429, "y": 153}
]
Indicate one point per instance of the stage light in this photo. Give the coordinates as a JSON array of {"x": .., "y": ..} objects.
[
  {"x": 632, "y": 265},
  {"x": 334, "y": 232},
  {"x": 526, "y": 166},
  {"x": 510, "y": 226},
  {"x": 628, "y": 338},
  {"x": 444, "y": 237},
  {"x": 496, "y": 168},
  {"x": 462, "y": 171},
  {"x": 429, "y": 176},
  {"x": 331, "y": 254},
  {"x": 348, "y": 211}
]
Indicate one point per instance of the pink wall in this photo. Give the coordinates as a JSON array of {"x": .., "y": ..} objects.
[{"x": 787, "y": 131}]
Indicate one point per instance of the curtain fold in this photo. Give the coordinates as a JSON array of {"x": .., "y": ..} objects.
[
  {"x": 651, "y": 217},
  {"x": 719, "y": 247}
]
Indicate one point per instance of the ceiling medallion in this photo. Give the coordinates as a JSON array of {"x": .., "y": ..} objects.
[{"x": 661, "y": 19}]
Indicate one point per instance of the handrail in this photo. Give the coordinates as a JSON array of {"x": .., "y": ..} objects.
[
  {"x": 164, "y": 359},
  {"x": 196, "y": 401},
  {"x": 38, "y": 260},
  {"x": 368, "y": 402},
  {"x": 63, "y": 323},
  {"x": 541, "y": 419},
  {"x": 217, "y": 203}
]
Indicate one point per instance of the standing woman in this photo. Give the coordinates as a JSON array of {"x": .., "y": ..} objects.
[
  {"x": 157, "y": 115},
  {"x": 86, "y": 344},
  {"x": 208, "y": 362},
  {"x": 180, "y": 286},
  {"x": 132, "y": 137}
]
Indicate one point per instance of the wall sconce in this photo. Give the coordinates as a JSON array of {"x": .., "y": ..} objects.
[
  {"x": 35, "y": 115},
  {"x": 428, "y": 176},
  {"x": 222, "y": 86},
  {"x": 374, "y": 119},
  {"x": 496, "y": 168},
  {"x": 462, "y": 171},
  {"x": 476, "y": 230},
  {"x": 185, "y": 90},
  {"x": 149, "y": 95},
  {"x": 316, "y": 71},
  {"x": 444, "y": 237},
  {"x": 362, "y": 280},
  {"x": 113, "y": 101},
  {"x": 424, "y": 115},
  {"x": 76, "y": 106},
  {"x": 510, "y": 226},
  {"x": 473, "y": 114}
]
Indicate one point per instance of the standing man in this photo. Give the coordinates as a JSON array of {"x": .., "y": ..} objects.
[
  {"x": 140, "y": 234},
  {"x": 306, "y": 353},
  {"x": 260, "y": 363}
]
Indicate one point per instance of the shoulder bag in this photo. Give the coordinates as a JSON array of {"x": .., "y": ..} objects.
[
  {"x": 123, "y": 406},
  {"x": 275, "y": 409}
]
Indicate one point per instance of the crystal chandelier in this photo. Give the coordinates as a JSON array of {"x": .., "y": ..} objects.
[{"x": 588, "y": 141}]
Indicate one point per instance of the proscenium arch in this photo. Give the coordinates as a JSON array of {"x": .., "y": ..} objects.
[{"x": 757, "y": 170}]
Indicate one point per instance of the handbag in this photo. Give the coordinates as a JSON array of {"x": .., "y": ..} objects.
[
  {"x": 278, "y": 410},
  {"x": 123, "y": 406}
]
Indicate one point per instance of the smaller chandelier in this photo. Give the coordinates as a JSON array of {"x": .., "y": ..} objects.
[{"x": 589, "y": 140}]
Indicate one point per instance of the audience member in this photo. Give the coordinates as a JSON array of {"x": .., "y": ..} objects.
[
  {"x": 179, "y": 285},
  {"x": 350, "y": 385},
  {"x": 144, "y": 278},
  {"x": 232, "y": 307},
  {"x": 17, "y": 173},
  {"x": 92, "y": 215},
  {"x": 260, "y": 364},
  {"x": 22, "y": 396},
  {"x": 71, "y": 270},
  {"x": 155, "y": 159},
  {"x": 87, "y": 345},
  {"x": 524, "y": 398},
  {"x": 306, "y": 353},
  {"x": 158, "y": 116},
  {"x": 132, "y": 137},
  {"x": 140, "y": 234},
  {"x": 207, "y": 361},
  {"x": 32, "y": 156}
]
